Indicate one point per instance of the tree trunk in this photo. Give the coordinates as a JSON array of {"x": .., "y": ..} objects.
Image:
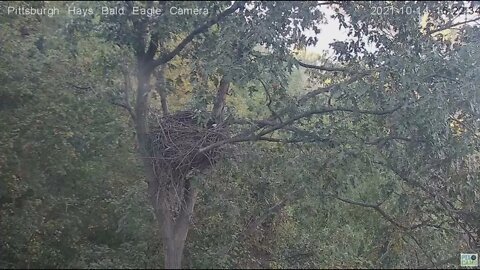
[
  {"x": 174, "y": 231},
  {"x": 174, "y": 248},
  {"x": 178, "y": 232},
  {"x": 173, "y": 215},
  {"x": 218, "y": 106}
]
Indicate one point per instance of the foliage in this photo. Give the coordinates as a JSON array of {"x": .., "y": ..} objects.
[{"x": 367, "y": 161}]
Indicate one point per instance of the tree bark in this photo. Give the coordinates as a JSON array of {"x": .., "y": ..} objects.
[
  {"x": 177, "y": 236},
  {"x": 161, "y": 88},
  {"x": 219, "y": 104},
  {"x": 174, "y": 231},
  {"x": 174, "y": 253}
]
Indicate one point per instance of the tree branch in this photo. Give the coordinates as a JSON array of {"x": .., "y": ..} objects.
[
  {"x": 406, "y": 139},
  {"x": 321, "y": 90},
  {"x": 127, "y": 89},
  {"x": 161, "y": 89},
  {"x": 126, "y": 107},
  {"x": 253, "y": 137},
  {"x": 450, "y": 25},
  {"x": 330, "y": 3},
  {"x": 278, "y": 140},
  {"x": 85, "y": 88},
  {"x": 244, "y": 135},
  {"x": 253, "y": 225},
  {"x": 328, "y": 110},
  {"x": 269, "y": 99},
  {"x": 322, "y": 68},
  {"x": 453, "y": 213},
  {"x": 152, "y": 48},
  {"x": 217, "y": 111},
  {"x": 203, "y": 28},
  {"x": 375, "y": 207},
  {"x": 249, "y": 134}
]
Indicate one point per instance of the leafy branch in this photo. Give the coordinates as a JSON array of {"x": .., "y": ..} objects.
[
  {"x": 201, "y": 29},
  {"x": 254, "y": 137},
  {"x": 253, "y": 225},
  {"x": 379, "y": 210},
  {"x": 451, "y": 24}
]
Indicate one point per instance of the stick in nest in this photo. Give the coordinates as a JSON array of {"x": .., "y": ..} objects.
[{"x": 176, "y": 140}]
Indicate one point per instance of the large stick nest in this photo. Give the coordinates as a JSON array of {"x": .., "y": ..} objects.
[{"x": 175, "y": 141}]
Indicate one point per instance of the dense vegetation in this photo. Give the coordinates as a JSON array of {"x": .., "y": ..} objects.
[{"x": 368, "y": 159}]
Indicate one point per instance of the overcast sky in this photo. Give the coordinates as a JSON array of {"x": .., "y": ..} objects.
[{"x": 329, "y": 33}]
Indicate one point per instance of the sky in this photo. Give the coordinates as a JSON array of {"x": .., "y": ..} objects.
[{"x": 329, "y": 33}]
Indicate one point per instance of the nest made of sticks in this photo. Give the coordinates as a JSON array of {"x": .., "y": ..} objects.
[{"x": 175, "y": 141}]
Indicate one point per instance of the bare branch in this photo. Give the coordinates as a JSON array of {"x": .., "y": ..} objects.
[
  {"x": 314, "y": 139},
  {"x": 269, "y": 99},
  {"x": 406, "y": 139},
  {"x": 277, "y": 140},
  {"x": 322, "y": 68},
  {"x": 326, "y": 89},
  {"x": 377, "y": 208},
  {"x": 85, "y": 88},
  {"x": 127, "y": 89},
  {"x": 126, "y": 107},
  {"x": 329, "y": 3},
  {"x": 261, "y": 124},
  {"x": 374, "y": 207}
]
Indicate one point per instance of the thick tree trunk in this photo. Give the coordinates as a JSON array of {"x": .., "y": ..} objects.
[
  {"x": 177, "y": 234},
  {"x": 174, "y": 248},
  {"x": 174, "y": 231},
  {"x": 173, "y": 214}
]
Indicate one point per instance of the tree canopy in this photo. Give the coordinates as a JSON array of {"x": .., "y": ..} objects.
[{"x": 208, "y": 134}]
